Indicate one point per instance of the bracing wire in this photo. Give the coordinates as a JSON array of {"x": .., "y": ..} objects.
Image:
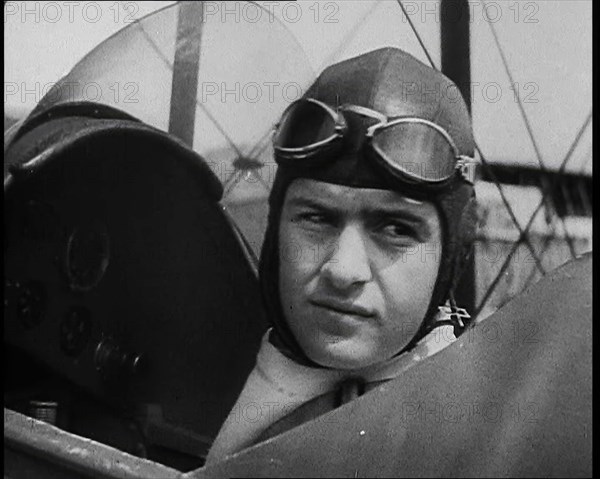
[
  {"x": 412, "y": 26},
  {"x": 483, "y": 160},
  {"x": 563, "y": 165},
  {"x": 258, "y": 150},
  {"x": 523, "y": 233},
  {"x": 528, "y": 125}
]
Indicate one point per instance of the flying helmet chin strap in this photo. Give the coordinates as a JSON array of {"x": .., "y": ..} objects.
[{"x": 450, "y": 313}]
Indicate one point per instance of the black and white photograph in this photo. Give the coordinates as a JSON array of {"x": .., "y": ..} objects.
[{"x": 304, "y": 238}]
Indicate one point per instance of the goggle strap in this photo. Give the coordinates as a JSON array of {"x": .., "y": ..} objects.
[{"x": 361, "y": 110}]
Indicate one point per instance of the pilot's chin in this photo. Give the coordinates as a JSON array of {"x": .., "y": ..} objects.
[{"x": 342, "y": 354}]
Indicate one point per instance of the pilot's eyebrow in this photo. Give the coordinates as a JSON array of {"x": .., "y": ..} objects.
[
  {"x": 392, "y": 211},
  {"x": 303, "y": 202}
]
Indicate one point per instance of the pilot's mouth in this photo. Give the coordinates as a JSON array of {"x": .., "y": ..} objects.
[{"x": 346, "y": 309}]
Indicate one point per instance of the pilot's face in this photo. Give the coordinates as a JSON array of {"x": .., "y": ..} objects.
[{"x": 357, "y": 270}]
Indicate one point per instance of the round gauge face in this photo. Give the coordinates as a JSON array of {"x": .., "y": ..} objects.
[{"x": 87, "y": 256}]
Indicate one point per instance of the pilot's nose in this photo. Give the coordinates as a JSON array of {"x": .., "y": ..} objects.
[{"x": 349, "y": 263}]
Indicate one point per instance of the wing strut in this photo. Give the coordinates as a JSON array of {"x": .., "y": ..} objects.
[
  {"x": 184, "y": 87},
  {"x": 456, "y": 65}
]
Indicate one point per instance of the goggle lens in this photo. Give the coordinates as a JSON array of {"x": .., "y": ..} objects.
[
  {"x": 305, "y": 124},
  {"x": 416, "y": 150}
]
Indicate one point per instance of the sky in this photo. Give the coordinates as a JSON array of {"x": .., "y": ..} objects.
[{"x": 547, "y": 45}]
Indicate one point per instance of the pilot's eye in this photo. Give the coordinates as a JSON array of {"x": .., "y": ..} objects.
[
  {"x": 397, "y": 231},
  {"x": 312, "y": 218}
]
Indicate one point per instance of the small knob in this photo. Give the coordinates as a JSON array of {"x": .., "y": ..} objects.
[{"x": 112, "y": 360}]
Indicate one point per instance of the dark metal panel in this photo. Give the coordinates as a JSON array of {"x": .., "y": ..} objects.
[
  {"x": 178, "y": 291},
  {"x": 512, "y": 397}
]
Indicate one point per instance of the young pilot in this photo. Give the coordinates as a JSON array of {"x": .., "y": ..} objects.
[{"x": 371, "y": 220}]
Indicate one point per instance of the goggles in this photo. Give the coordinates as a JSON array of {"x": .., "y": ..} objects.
[{"x": 410, "y": 148}]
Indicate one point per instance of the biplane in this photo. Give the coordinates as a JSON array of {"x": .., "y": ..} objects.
[{"x": 132, "y": 309}]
